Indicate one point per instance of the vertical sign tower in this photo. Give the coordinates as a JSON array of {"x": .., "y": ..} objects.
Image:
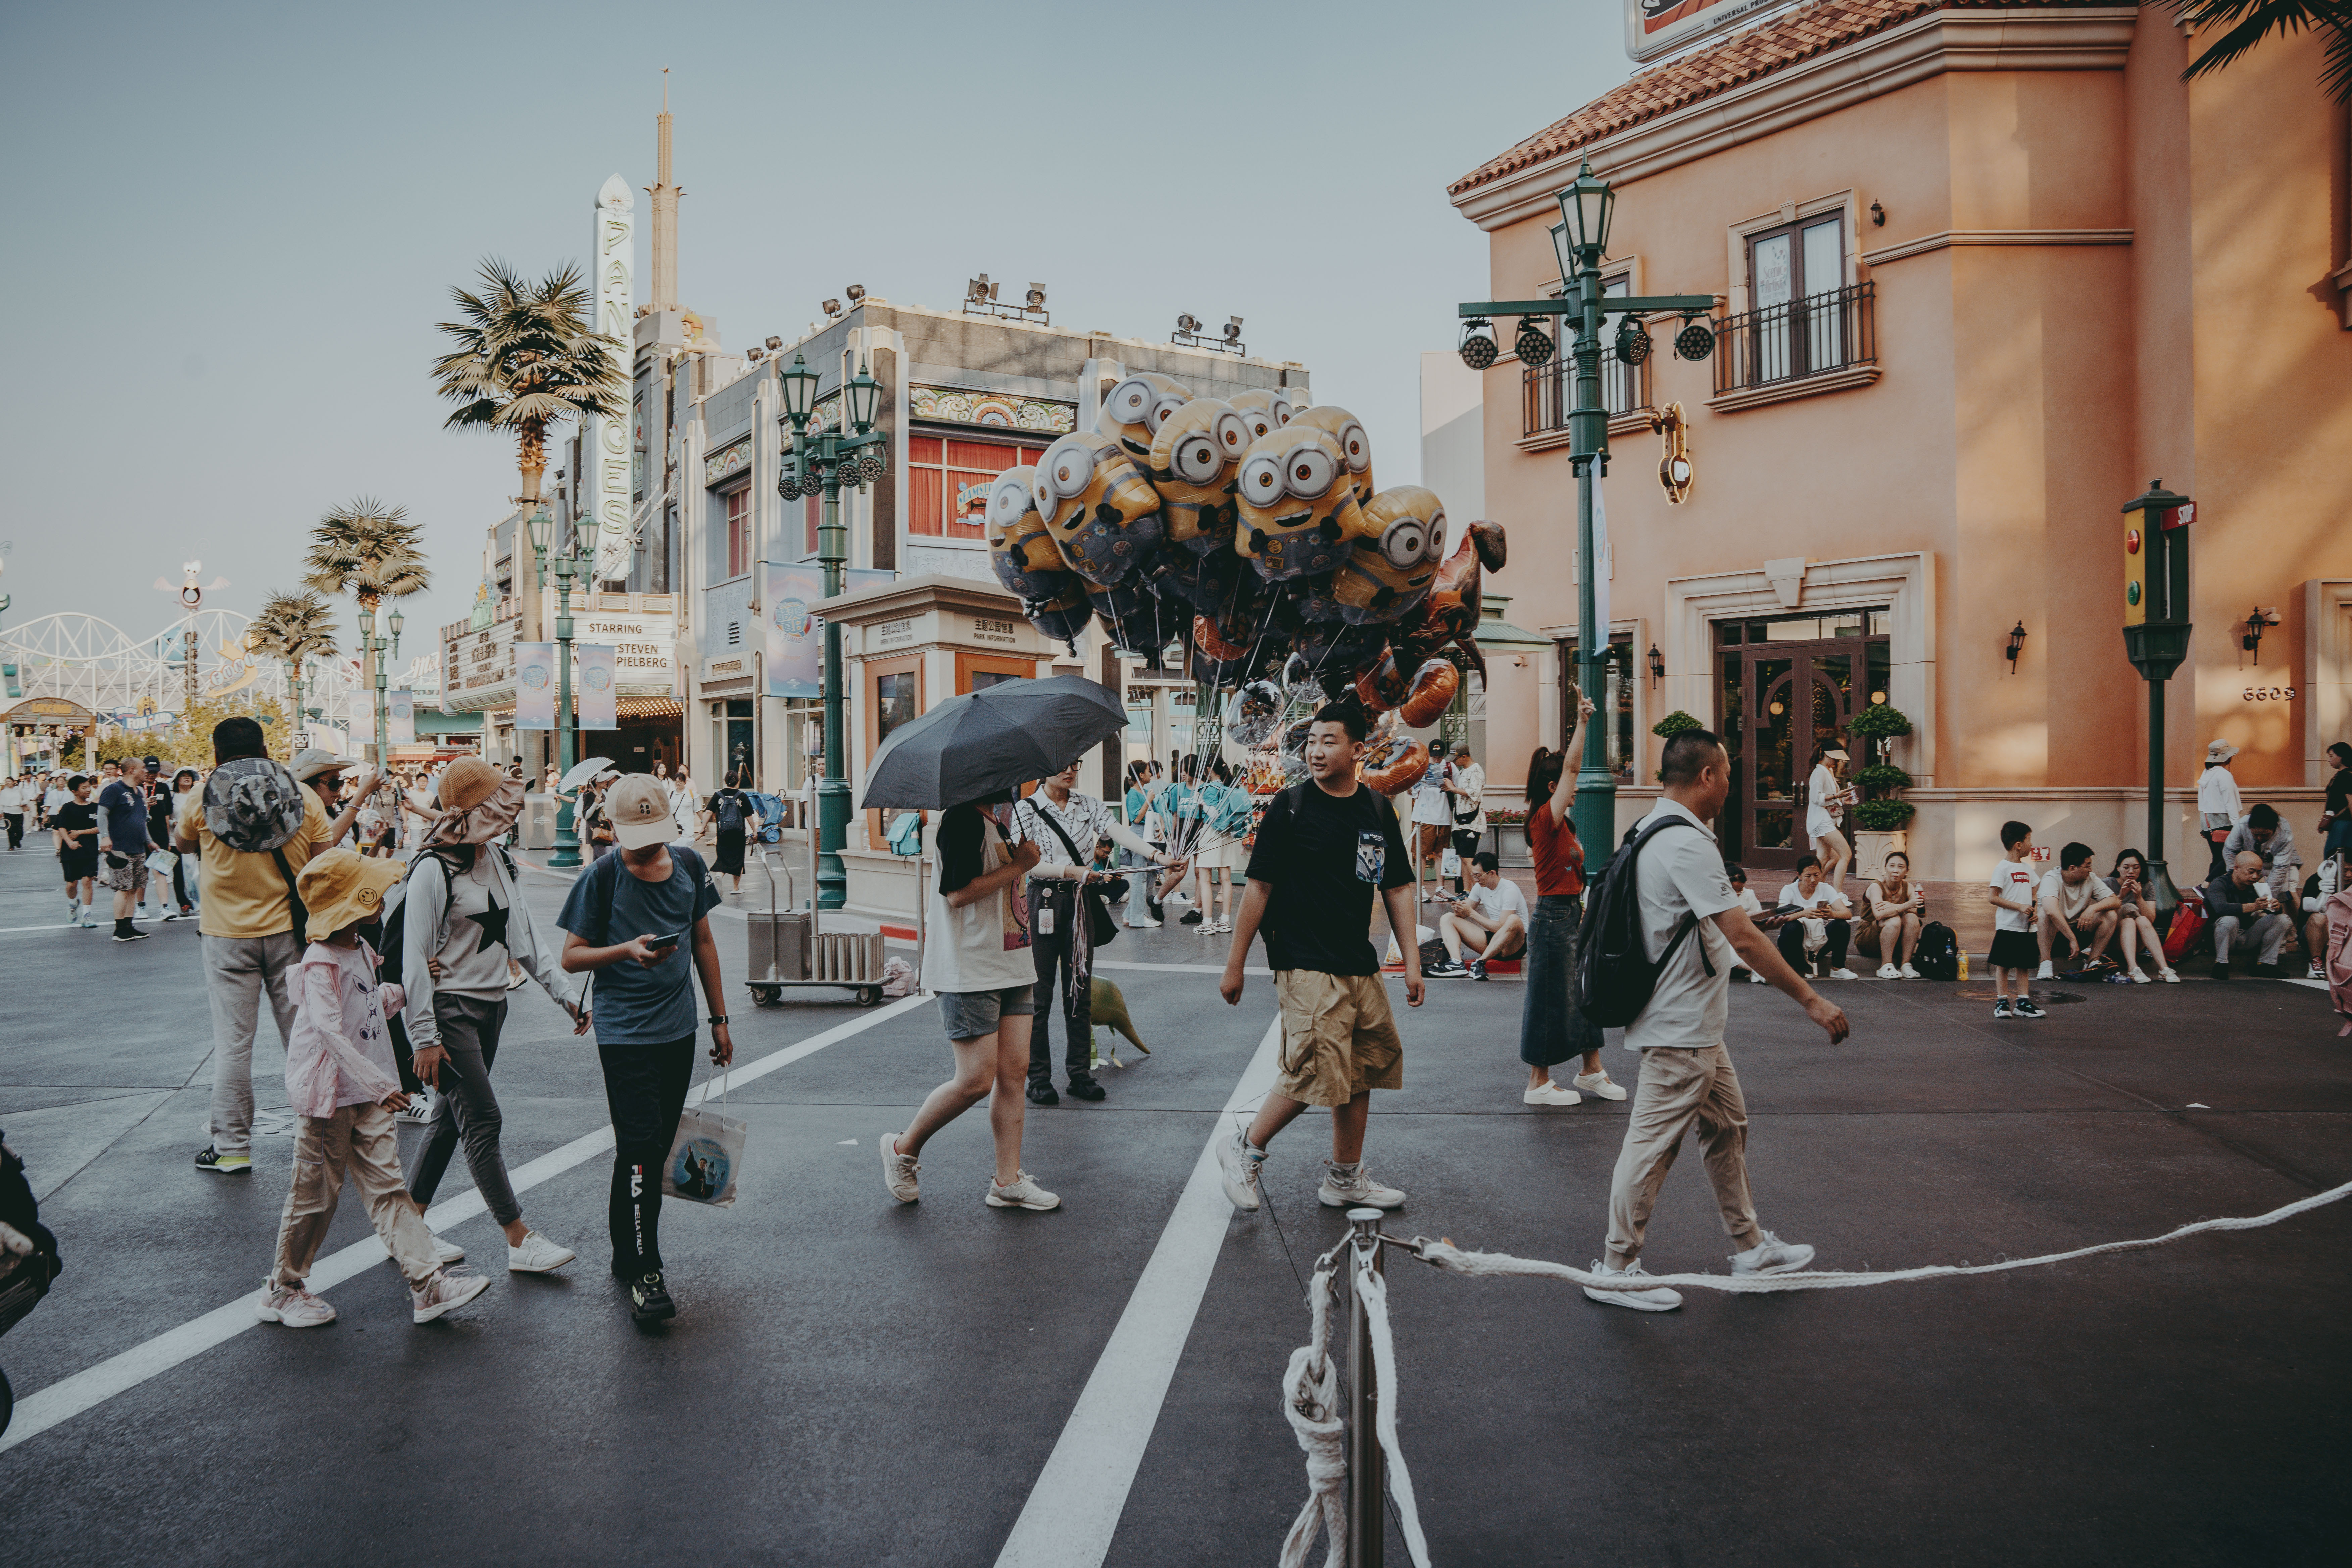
[{"x": 605, "y": 487}]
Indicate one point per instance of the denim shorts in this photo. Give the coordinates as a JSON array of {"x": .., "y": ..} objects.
[{"x": 968, "y": 1014}]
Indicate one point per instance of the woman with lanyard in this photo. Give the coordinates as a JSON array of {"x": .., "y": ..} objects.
[
  {"x": 1065, "y": 823},
  {"x": 1185, "y": 813},
  {"x": 1143, "y": 819},
  {"x": 1551, "y": 1029}
]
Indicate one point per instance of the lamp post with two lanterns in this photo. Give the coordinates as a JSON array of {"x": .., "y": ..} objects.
[
  {"x": 579, "y": 560},
  {"x": 371, "y": 644},
  {"x": 822, "y": 460},
  {"x": 1585, "y": 207}
]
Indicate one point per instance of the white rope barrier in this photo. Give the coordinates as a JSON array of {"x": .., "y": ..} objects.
[{"x": 1310, "y": 1396}]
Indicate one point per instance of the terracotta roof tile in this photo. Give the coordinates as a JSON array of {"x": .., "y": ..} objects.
[{"x": 1741, "y": 57}]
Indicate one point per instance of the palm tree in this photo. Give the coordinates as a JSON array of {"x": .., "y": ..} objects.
[
  {"x": 293, "y": 627},
  {"x": 372, "y": 553},
  {"x": 2250, "y": 21},
  {"x": 527, "y": 356}
]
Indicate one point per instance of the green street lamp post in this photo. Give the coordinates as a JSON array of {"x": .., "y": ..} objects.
[
  {"x": 1581, "y": 240},
  {"x": 2157, "y": 630},
  {"x": 580, "y": 561},
  {"x": 371, "y": 644},
  {"x": 822, "y": 461}
]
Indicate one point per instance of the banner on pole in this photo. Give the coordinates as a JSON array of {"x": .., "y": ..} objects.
[
  {"x": 599, "y": 671},
  {"x": 1604, "y": 568},
  {"x": 795, "y": 642},
  {"x": 534, "y": 686},
  {"x": 400, "y": 717}
]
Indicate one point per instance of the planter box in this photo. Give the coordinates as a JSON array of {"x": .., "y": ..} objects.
[
  {"x": 1871, "y": 848},
  {"x": 1510, "y": 841}
]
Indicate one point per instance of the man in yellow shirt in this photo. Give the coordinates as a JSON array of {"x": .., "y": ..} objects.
[{"x": 247, "y": 926}]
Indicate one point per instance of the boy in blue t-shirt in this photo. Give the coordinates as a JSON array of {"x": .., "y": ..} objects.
[
  {"x": 122, "y": 844},
  {"x": 643, "y": 1005}
]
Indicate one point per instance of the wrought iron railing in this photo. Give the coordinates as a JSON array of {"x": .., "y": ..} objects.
[
  {"x": 1547, "y": 391},
  {"x": 1813, "y": 336}
]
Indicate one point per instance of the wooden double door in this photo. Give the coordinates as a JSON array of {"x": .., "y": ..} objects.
[{"x": 1778, "y": 702}]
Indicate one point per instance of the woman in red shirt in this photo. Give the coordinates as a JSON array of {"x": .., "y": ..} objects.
[{"x": 1551, "y": 1029}]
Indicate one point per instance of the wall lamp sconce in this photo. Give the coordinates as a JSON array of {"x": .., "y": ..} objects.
[
  {"x": 1658, "y": 664},
  {"x": 1877, "y": 216},
  {"x": 2016, "y": 646},
  {"x": 2256, "y": 624},
  {"x": 1478, "y": 349}
]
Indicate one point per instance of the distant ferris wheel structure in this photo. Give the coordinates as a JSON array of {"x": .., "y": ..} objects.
[{"x": 90, "y": 660}]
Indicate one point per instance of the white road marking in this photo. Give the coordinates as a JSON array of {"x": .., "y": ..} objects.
[
  {"x": 1074, "y": 1507},
  {"x": 1181, "y": 968},
  {"x": 69, "y": 1396}
]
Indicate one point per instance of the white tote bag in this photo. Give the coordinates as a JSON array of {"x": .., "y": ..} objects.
[{"x": 707, "y": 1156}]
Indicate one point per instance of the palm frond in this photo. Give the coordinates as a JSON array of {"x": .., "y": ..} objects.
[{"x": 2244, "y": 24}]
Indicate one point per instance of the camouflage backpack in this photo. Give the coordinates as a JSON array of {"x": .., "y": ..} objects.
[{"x": 253, "y": 805}]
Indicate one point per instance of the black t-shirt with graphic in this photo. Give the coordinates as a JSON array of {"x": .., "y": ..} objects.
[
  {"x": 73, "y": 816},
  {"x": 1323, "y": 856}
]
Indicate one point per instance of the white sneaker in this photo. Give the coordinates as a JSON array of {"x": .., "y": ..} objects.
[
  {"x": 418, "y": 1111},
  {"x": 1755, "y": 979},
  {"x": 1657, "y": 1299},
  {"x": 2142, "y": 977},
  {"x": 898, "y": 1169},
  {"x": 1238, "y": 1163},
  {"x": 1024, "y": 1193},
  {"x": 1550, "y": 1093},
  {"x": 537, "y": 1255},
  {"x": 1844, "y": 974},
  {"x": 2171, "y": 977},
  {"x": 1773, "y": 1256},
  {"x": 2047, "y": 972},
  {"x": 1600, "y": 1085},
  {"x": 293, "y": 1306},
  {"x": 1348, "y": 1187},
  {"x": 448, "y": 1252},
  {"x": 1889, "y": 972},
  {"x": 2316, "y": 973},
  {"x": 446, "y": 1291},
  {"x": 1145, "y": 924},
  {"x": 1908, "y": 973}
]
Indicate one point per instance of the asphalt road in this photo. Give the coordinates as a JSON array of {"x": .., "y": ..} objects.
[{"x": 854, "y": 1382}]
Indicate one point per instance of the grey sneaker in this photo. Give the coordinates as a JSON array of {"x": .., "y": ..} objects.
[
  {"x": 1657, "y": 1299},
  {"x": 294, "y": 1307},
  {"x": 1773, "y": 1256},
  {"x": 1024, "y": 1193},
  {"x": 448, "y": 1252},
  {"x": 1238, "y": 1163},
  {"x": 1349, "y": 1187},
  {"x": 898, "y": 1169},
  {"x": 537, "y": 1255},
  {"x": 447, "y": 1289}
]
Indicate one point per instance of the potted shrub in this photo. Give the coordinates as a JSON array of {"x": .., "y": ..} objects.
[
  {"x": 1510, "y": 825},
  {"x": 1880, "y": 816},
  {"x": 1673, "y": 724}
]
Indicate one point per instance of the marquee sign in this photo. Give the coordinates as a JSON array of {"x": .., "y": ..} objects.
[
  {"x": 1655, "y": 28},
  {"x": 606, "y": 486}
]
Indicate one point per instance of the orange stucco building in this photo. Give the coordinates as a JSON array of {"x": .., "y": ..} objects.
[{"x": 1985, "y": 271}]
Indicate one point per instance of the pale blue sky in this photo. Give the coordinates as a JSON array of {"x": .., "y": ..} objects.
[{"x": 235, "y": 225}]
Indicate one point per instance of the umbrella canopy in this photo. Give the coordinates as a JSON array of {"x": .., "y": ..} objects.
[
  {"x": 581, "y": 775},
  {"x": 998, "y": 738}
]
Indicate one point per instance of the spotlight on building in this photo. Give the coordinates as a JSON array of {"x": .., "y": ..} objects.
[
  {"x": 1533, "y": 344},
  {"x": 754, "y": 354},
  {"x": 1036, "y": 296},
  {"x": 775, "y": 343},
  {"x": 980, "y": 292},
  {"x": 831, "y": 309},
  {"x": 1477, "y": 347},
  {"x": 1233, "y": 332},
  {"x": 856, "y": 293},
  {"x": 1188, "y": 325}
]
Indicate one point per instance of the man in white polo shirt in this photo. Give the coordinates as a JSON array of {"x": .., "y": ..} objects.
[{"x": 1686, "y": 1074}]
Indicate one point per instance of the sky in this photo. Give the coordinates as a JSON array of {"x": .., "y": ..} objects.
[{"x": 237, "y": 226}]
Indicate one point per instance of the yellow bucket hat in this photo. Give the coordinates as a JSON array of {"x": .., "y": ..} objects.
[{"x": 344, "y": 887}]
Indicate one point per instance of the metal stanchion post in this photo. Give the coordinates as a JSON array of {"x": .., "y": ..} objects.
[{"x": 1366, "y": 1482}]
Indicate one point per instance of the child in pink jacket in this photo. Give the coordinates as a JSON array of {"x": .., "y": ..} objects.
[{"x": 345, "y": 1085}]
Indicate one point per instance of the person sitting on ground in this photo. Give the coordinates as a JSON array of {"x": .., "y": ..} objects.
[
  {"x": 1897, "y": 908},
  {"x": 1755, "y": 907},
  {"x": 1490, "y": 921},
  {"x": 2074, "y": 906},
  {"x": 2336, "y": 816},
  {"x": 2137, "y": 921},
  {"x": 2238, "y": 903},
  {"x": 2317, "y": 888},
  {"x": 2262, "y": 831},
  {"x": 1822, "y": 921}
]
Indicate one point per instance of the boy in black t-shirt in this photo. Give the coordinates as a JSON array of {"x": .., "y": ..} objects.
[{"x": 1322, "y": 848}]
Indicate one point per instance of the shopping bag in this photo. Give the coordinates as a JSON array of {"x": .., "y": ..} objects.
[
  {"x": 1449, "y": 864},
  {"x": 707, "y": 1155},
  {"x": 161, "y": 862}
]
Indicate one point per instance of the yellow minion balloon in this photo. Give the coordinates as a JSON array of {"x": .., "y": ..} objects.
[
  {"x": 1192, "y": 462},
  {"x": 1137, "y": 408},
  {"x": 1099, "y": 510},
  {"x": 1267, "y": 409},
  {"x": 1392, "y": 566},
  {"x": 1300, "y": 516},
  {"x": 1025, "y": 561},
  {"x": 1354, "y": 444}
]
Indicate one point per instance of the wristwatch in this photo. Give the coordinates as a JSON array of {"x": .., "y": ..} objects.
[{"x": 719, "y": 1018}]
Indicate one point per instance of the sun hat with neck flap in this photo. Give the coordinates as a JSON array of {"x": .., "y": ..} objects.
[
  {"x": 477, "y": 804},
  {"x": 344, "y": 887}
]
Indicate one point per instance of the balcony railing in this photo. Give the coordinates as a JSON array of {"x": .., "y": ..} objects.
[
  {"x": 1813, "y": 336},
  {"x": 1547, "y": 391}
]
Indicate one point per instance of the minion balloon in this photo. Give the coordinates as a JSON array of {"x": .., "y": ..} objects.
[
  {"x": 1354, "y": 444},
  {"x": 1137, "y": 408},
  {"x": 1192, "y": 461},
  {"x": 1267, "y": 409},
  {"x": 1300, "y": 516},
  {"x": 1027, "y": 562},
  {"x": 1100, "y": 511},
  {"x": 1389, "y": 572}
]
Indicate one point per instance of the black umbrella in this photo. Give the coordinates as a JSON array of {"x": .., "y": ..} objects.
[{"x": 998, "y": 738}]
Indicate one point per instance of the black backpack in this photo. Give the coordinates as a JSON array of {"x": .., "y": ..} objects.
[
  {"x": 393, "y": 938},
  {"x": 1615, "y": 976},
  {"x": 1937, "y": 954},
  {"x": 730, "y": 808}
]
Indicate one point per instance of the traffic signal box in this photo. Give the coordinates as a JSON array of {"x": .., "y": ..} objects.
[{"x": 2156, "y": 579}]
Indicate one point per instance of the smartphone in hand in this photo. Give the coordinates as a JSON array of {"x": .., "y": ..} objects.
[{"x": 663, "y": 944}]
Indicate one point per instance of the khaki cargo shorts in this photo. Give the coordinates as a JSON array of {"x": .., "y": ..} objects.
[{"x": 1338, "y": 1037}]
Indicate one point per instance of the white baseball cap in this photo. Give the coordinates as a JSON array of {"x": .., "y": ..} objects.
[{"x": 639, "y": 809}]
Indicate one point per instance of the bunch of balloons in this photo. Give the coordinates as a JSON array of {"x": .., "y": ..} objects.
[{"x": 1250, "y": 532}]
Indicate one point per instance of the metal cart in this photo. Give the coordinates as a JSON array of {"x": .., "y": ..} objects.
[{"x": 788, "y": 946}]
